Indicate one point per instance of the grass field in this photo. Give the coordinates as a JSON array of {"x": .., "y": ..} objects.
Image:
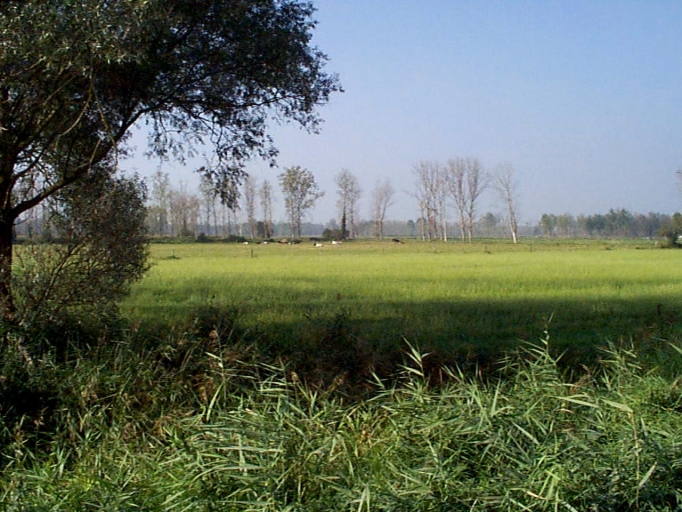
[
  {"x": 456, "y": 298},
  {"x": 290, "y": 409}
]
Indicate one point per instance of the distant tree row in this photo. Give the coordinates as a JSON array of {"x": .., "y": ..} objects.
[
  {"x": 615, "y": 223},
  {"x": 175, "y": 211},
  {"x": 456, "y": 185}
]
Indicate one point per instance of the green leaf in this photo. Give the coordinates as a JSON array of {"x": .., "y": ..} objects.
[
  {"x": 619, "y": 406},
  {"x": 646, "y": 477},
  {"x": 578, "y": 402}
]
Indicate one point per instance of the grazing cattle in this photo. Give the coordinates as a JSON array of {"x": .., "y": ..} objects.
[
  {"x": 334, "y": 242},
  {"x": 396, "y": 241},
  {"x": 317, "y": 244}
]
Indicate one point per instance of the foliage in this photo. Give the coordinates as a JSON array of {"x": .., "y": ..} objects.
[
  {"x": 615, "y": 223},
  {"x": 300, "y": 193},
  {"x": 100, "y": 251},
  {"x": 348, "y": 196},
  {"x": 206, "y": 432},
  {"x": 334, "y": 234},
  {"x": 672, "y": 231},
  {"x": 78, "y": 74}
]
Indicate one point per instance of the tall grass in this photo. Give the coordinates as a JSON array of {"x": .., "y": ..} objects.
[
  {"x": 279, "y": 379},
  {"x": 202, "y": 431}
]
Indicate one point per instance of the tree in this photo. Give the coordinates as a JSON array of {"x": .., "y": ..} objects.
[
  {"x": 648, "y": 225},
  {"x": 158, "y": 210},
  {"x": 455, "y": 177},
  {"x": 75, "y": 76},
  {"x": 100, "y": 224},
  {"x": 466, "y": 181},
  {"x": 548, "y": 224},
  {"x": 475, "y": 184},
  {"x": 184, "y": 211},
  {"x": 349, "y": 195},
  {"x": 382, "y": 198},
  {"x": 430, "y": 194},
  {"x": 250, "y": 204},
  {"x": 266, "y": 208},
  {"x": 566, "y": 224},
  {"x": 672, "y": 230},
  {"x": 489, "y": 223},
  {"x": 208, "y": 197},
  {"x": 619, "y": 222},
  {"x": 504, "y": 182},
  {"x": 300, "y": 192}
]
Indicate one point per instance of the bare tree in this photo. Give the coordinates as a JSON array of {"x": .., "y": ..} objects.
[
  {"x": 238, "y": 223},
  {"x": 300, "y": 193},
  {"x": 266, "y": 208},
  {"x": 504, "y": 182},
  {"x": 430, "y": 193},
  {"x": 160, "y": 205},
  {"x": 349, "y": 195},
  {"x": 250, "y": 204},
  {"x": 382, "y": 199},
  {"x": 466, "y": 181},
  {"x": 476, "y": 183},
  {"x": 455, "y": 177},
  {"x": 209, "y": 198},
  {"x": 184, "y": 211}
]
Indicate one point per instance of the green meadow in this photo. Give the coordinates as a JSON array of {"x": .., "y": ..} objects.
[
  {"x": 297, "y": 378},
  {"x": 457, "y": 298}
]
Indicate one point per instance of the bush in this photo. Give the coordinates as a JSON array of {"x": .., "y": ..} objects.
[
  {"x": 101, "y": 251},
  {"x": 672, "y": 231}
]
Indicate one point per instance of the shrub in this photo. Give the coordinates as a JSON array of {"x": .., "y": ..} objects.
[
  {"x": 672, "y": 231},
  {"x": 100, "y": 253}
]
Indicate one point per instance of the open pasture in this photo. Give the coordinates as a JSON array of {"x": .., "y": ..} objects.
[{"x": 454, "y": 297}]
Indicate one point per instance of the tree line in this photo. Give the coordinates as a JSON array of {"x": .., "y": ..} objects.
[
  {"x": 446, "y": 195},
  {"x": 179, "y": 212},
  {"x": 619, "y": 223},
  {"x": 439, "y": 189},
  {"x": 459, "y": 182},
  {"x": 175, "y": 211}
]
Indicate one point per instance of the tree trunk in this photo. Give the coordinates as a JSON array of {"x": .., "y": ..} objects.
[
  {"x": 343, "y": 225},
  {"x": 6, "y": 242}
]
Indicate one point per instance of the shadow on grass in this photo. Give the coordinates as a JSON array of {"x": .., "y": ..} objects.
[{"x": 359, "y": 338}]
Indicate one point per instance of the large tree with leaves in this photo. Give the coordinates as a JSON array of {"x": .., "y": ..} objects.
[{"x": 77, "y": 75}]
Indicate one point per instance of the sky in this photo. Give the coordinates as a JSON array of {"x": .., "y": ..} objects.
[{"x": 583, "y": 98}]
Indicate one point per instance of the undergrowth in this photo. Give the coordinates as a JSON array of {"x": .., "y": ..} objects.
[{"x": 203, "y": 421}]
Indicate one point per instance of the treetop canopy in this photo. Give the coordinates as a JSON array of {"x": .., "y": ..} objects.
[{"x": 76, "y": 75}]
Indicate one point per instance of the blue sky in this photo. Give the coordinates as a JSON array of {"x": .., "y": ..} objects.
[{"x": 583, "y": 98}]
